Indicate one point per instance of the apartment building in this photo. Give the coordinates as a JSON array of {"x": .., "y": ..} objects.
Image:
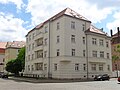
[
  {"x": 2, "y": 55},
  {"x": 12, "y": 50},
  {"x": 115, "y": 44},
  {"x": 67, "y": 46}
]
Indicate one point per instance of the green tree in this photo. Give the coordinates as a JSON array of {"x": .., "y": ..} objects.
[
  {"x": 115, "y": 58},
  {"x": 9, "y": 66},
  {"x": 13, "y": 66},
  {"x": 21, "y": 57}
]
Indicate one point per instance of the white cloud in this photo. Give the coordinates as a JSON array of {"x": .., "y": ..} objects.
[
  {"x": 114, "y": 24},
  {"x": 44, "y": 9},
  {"x": 11, "y": 28},
  {"x": 18, "y": 3}
]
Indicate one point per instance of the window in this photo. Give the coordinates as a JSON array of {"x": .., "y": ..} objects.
[
  {"x": 58, "y": 25},
  {"x": 83, "y": 40},
  {"x": 33, "y": 46},
  {"x": 73, "y": 38},
  {"x": 45, "y": 41},
  {"x": 101, "y": 54},
  {"x": 55, "y": 67},
  {"x": 26, "y": 39},
  {"x": 83, "y": 26},
  {"x": 73, "y": 52},
  {"x": 33, "y": 36},
  {"x": 18, "y": 50},
  {"x": 32, "y": 56},
  {"x": 107, "y": 55},
  {"x": 77, "y": 67},
  {"x": 58, "y": 39},
  {"x": 100, "y": 67},
  {"x": 107, "y": 44},
  {"x": 28, "y": 67},
  {"x": 39, "y": 42},
  {"x": 30, "y": 38},
  {"x": 32, "y": 67},
  {"x": 93, "y": 67},
  {"x": 101, "y": 42},
  {"x": 3, "y": 59},
  {"x": 29, "y": 47},
  {"x": 94, "y": 53},
  {"x": 108, "y": 67},
  {"x": 45, "y": 53},
  {"x": 38, "y": 66},
  {"x": 72, "y": 25},
  {"x": 58, "y": 52},
  {"x": 39, "y": 54},
  {"x": 45, "y": 66},
  {"x": 28, "y": 57},
  {"x": 46, "y": 29},
  {"x": 94, "y": 41},
  {"x": 83, "y": 53},
  {"x": 84, "y": 67}
]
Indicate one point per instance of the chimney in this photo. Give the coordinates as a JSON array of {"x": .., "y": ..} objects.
[
  {"x": 111, "y": 32},
  {"x": 101, "y": 29},
  {"x": 118, "y": 31}
]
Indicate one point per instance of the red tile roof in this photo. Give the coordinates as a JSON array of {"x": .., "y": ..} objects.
[
  {"x": 3, "y": 44},
  {"x": 16, "y": 44},
  {"x": 93, "y": 29},
  {"x": 68, "y": 12}
]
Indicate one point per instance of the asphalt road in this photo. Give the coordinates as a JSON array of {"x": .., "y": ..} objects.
[{"x": 6, "y": 84}]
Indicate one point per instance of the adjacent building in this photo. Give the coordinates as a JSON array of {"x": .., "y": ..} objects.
[
  {"x": 12, "y": 49},
  {"x": 115, "y": 43},
  {"x": 67, "y": 46},
  {"x": 2, "y": 55}
]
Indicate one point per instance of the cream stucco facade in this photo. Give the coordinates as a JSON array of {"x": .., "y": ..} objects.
[
  {"x": 12, "y": 50},
  {"x": 63, "y": 47}
]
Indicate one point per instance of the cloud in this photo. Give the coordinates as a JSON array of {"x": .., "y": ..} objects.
[
  {"x": 105, "y": 3},
  {"x": 41, "y": 10},
  {"x": 115, "y": 23},
  {"x": 18, "y": 3},
  {"x": 11, "y": 28}
]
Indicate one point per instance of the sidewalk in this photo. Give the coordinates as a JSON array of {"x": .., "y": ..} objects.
[{"x": 34, "y": 80}]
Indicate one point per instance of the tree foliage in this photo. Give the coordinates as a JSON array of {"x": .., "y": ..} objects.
[
  {"x": 21, "y": 57},
  {"x": 115, "y": 57},
  {"x": 17, "y": 65}
]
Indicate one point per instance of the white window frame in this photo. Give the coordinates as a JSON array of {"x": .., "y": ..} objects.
[
  {"x": 93, "y": 67},
  {"x": 73, "y": 38},
  {"x": 72, "y": 25},
  {"x": 94, "y": 41},
  {"x": 73, "y": 52},
  {"x": 102, "y": 54},
  {"x": 77, "y": 67}
]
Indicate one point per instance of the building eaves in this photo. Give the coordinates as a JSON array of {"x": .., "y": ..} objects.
[
  {"x": 94, "y": 30},
  {"x": 67, "y": 12}
]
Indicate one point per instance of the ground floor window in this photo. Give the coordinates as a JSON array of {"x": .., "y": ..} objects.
[
  {"x": 38, "y": 66},
  {"x": 55, "y": 67},
  {"x": 93, "y": 67},
  {"x": 76, "y": 67},
  {"x": 100, "y": 67}
]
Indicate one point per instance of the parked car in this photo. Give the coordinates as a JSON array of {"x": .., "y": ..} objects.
[
  {"x": 118, "y": 79},
  {"x": 3, "y": 75},
  {"x": 102, "y": 77}
]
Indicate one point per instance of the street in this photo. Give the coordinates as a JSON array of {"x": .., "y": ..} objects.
[{"x": 7, "y": 84}]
